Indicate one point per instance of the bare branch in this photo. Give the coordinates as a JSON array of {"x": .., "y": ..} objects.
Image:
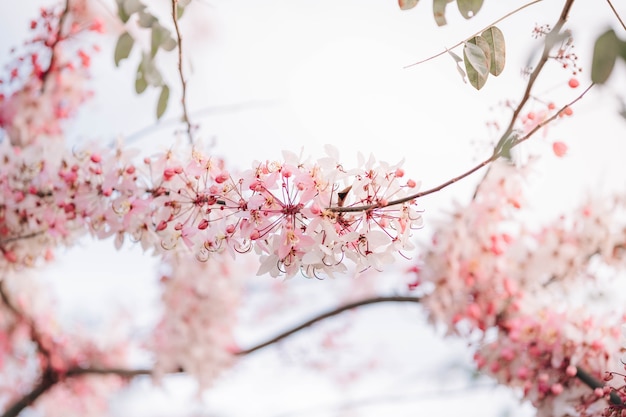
[
  {"x": 328, "y": 314},
  {"x": 183, "y": 81},
  {"x": 616, "y": 14},
  {"x": 497, "y": 154},
  {"x": 547, "y": 47}
]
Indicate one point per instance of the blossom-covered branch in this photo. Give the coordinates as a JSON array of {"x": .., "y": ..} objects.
[{"x": 282, "y": 209}]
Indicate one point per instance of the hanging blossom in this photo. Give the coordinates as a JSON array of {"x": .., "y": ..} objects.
[
  {"x": 46, "y": 83},
  {"x": 290, "y": 212},
  {"x": 486, "y": 272},
  {"x": 200, "y": 301}
]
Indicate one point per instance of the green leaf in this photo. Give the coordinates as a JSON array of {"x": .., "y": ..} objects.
[
  {"x": 146, "y": 20},
  {"x": 163, "y": 99},
  {"x": 168, "y": 44},
  {"x": 407, "y": 4},
  {"x": 123, "y": 47},
  {"x": 495, "y": 39},
  {"x": 439, "y": 11},
  {"x": 133, "y": 6},
  {"x": 180, "y": 10},
  {"x": 151, "y": 73},
  {"x": 121, "y": 12},
  {"x": 505, "y": 146},
  {"x": 477, "y": 61},
  {"x": 469, "y": 8},
  {"x": 605, "y": 52},
  {"x": 140, "y": 80},
  {"x": 183, "y": 3},
  {"x": 161, "y": 38},
  {"x": 458, "y": 61}
]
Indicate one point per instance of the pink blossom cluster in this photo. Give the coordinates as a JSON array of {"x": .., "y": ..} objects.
[
  {"x": 539, "y": 353},
  {"x": 289, "y": 211},
  {"x": 33, "y": 344},
  {"x": 46, "y": 82},
  {"x": 486, "y": 272},
  {"x": 200, "y": 302}
]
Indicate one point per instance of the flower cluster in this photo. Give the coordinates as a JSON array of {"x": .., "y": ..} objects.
[
  {"x": 297, "y": 215},
  {"x": 200, "y": 303},
  {"x": 33, "y": 343},
  {"x": 46, "y": 83},
  {"x": 487, "y": 272}
]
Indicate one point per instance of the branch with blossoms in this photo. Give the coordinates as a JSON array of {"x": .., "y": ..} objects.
[
  {"x": 46, "y": 83},
  {"x": 299, "y": 215},
  {"x": 492, "y": 276},
  {"x": 47, "y": 359},
  {"x": 50, "y": 379}
]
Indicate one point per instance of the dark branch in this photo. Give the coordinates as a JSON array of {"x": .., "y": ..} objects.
[
  {"x": 48, "y": 380},
  {"x": 328, "y": 314},
  {"x": 593, "y": 383}
]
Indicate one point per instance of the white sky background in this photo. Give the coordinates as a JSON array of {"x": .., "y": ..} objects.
[{"x": 331, "y": 71}]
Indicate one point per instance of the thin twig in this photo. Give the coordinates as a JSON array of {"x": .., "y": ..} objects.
[
  {"x": 497, "y": 154},
  {"x": 475, "y": 34},
  {"x": 183, "y": 81},
  {"x": 616, "y": 14},
  {"x": 59, "y": 37},
  {"x": 124, "y": 373},
  {"x": 551, "y": 38},
  {"x": 22, "y": 237},
  {"x": 331, "y": 313}
]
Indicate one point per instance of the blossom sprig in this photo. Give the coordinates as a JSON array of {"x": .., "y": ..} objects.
[
  {"x": 46, "y": 82},
  {"x": 286, "y": 211},
  {"x": 196, "y": 331},
  {"x": 503, "y": 284}
]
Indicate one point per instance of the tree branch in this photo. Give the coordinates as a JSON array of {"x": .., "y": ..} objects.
[
  {"x": 49, "y": 377},
  {"x": 616, "y": 14},
  {"x": 593, "y": 383},
  {"x": 328, "y": 314},
  {"x": 183, "y": 81},
  {"x": 59, "y": 37},
  {"x": 498, "y": 152},
  {"x": 48, "y": 380}
]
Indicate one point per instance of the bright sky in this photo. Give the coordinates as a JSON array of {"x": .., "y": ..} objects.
[{"x": 310, "y": 73}]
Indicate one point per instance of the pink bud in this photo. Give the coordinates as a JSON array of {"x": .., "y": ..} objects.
[
  {"x": 204, "y": 223},
  {"x": 571, "y": 370},
  {"x": 559, "y": 148},
  {"x": 556, "y": 389}
]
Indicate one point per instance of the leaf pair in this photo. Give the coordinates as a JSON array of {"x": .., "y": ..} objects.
[{"x": 483, "y": 55}]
